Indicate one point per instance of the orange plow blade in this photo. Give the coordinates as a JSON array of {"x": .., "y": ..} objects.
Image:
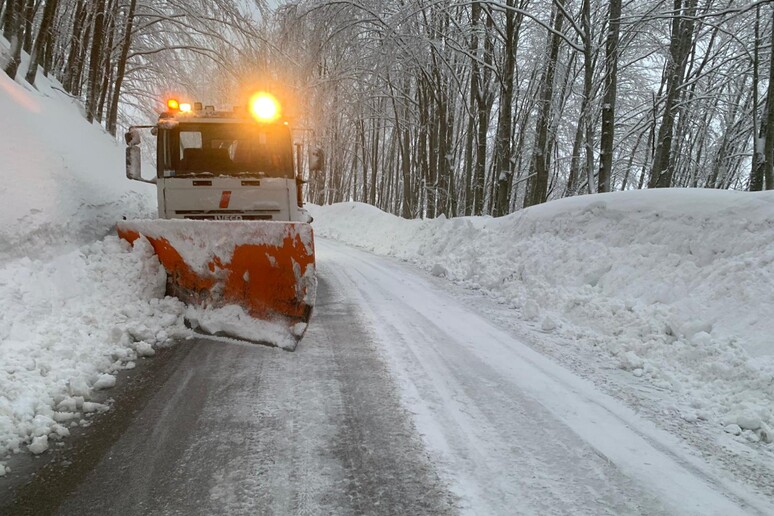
[{"x": 265, "y": 270}]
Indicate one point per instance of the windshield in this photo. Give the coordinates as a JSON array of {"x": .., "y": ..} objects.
[{"x": 213, "y": 149}]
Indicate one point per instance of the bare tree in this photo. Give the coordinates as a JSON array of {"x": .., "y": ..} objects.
[
  {"x": 679, "y": 50},
  {"x": 768, "y": 149},
  {"x": 14, "y": 30},
  {"x": 608, "y": 103},
  {"x": 40, "y": 41},
  {"x": 538, "y": 183}
]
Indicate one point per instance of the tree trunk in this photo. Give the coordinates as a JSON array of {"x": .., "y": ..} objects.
[
  {"x": 112, "y": 119},
  {"x": 29, "y": 18},
  {"x": 95, "y": 61},
  {"x": 479, "y": 166},
  {"x": 471, "y": 185},
  {"x": 40, "y": 41},
  {"x": 768, "y": 148},
  {"x": 375, "y": 146},
  {"x": 573, "y": 177},
  {"x": 758, "y": 133},
  {"x": 680, "y": 46},
  {"x": 586, "y": 109},
  {"x": 485, "y": 101},
  {"x": 469, "y": 143},
  {"x": 107, "y": 69},
  {"x": 537, "y": 187},
  {"x": 502, "y": 157},
  {"x": 608, "y": 106},
  {"x": 9, "y": 26},
  {"x": 16, "y": 8},
  {"x": 73, "y": 66}
]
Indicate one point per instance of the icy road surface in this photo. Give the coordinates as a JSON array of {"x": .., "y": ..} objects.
[
  {"x": 399, "y": 400},
  {"x": 509, "y": 430}
]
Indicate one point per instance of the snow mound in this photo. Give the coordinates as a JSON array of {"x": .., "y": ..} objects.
[
  {"x": 675, "y": 286},
  {"x": 66, "y": 326},
  {"x": 72, "y": 307},
  {"x": 64, "y": 182}
]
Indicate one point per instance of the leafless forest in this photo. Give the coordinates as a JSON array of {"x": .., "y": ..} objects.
[{"x": 430, "y": 107}]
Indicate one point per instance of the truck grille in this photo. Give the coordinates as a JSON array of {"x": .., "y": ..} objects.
[{"x": 218, "y": 216}]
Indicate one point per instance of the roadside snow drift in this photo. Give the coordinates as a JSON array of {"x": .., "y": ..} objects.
[
  {"x": 73, "y": 309},
  {"x": 675, "y": 286},
  {"x": 63, "y": 179},
  {"x": 66, "y": 326}
]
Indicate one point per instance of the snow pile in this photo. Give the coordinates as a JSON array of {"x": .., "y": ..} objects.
[
  {"x": 676, "y": 286},
  {"x": 63, "y": 179},
  {"x": 66, "y": 326},
  {"x": 73, "y": 310}
]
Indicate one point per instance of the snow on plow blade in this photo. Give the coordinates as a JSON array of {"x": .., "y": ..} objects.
[{"x": 251, "y": 280}]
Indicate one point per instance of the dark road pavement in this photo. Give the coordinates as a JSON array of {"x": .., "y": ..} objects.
[{"x": 224, "y": 428}]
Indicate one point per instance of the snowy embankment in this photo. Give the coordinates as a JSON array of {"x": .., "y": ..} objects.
[
  {"x": 675, "y": 286},
  {"x": 76, "y": 305},
  {"x": 64, "y": 181}
]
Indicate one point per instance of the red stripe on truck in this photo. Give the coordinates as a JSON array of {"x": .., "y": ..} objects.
[{"x": 225, "y": 198}]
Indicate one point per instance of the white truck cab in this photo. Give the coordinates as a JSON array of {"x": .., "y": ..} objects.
[{"x": 222, "y": 166}]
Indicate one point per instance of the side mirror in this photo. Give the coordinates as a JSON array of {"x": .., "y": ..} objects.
[
  {"x": 134, "y": 156},
  {"x": 133, "y": 162},
  {"x": 317, "y": 160},
  {"x": 134, "y": 165}
]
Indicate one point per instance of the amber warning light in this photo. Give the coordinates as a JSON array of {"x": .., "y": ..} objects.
[
  {"x": 173, "y": 104},
  {"x": 264, "y": 107}
]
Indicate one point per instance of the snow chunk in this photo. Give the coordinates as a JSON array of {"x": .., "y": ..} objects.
[
  {"x": 748, "y": 421},
  {"x": 79, "y": 387},
  {"x": 701, "y": 339},
  {"x": 144, "y": 349},
  {"x": 62, "y": 417},
  {"x": 104, "y": 381},
  {"x": 766, "y": 435},
  {"x": 68, "y": 404},
  {"x": 733, "y": 429},
  {"x": 548, "y": 324},
  {"x": 630, "y": 361},
  {"x": 89, "y": 406},
  {"x": 531, "y": 310},
  {"x": 39, "y": 444}
]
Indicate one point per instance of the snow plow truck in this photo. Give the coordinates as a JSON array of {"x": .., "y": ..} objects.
[{"x": 232, "y": 232}]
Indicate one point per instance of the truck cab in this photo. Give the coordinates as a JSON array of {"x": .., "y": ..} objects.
[{"x": 222, "y": 165}]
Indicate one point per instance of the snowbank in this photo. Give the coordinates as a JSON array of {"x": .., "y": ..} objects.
[
  {"x": 66, "y": 326},
  {"x": 73, "y": 309},
  {"x": 676, "y": 286},
  {"x": 63, "y": 179}
]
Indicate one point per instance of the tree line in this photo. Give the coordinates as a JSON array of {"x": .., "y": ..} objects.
[
  {"x": 430, "y": 107},
  {"x": 120, "y": 57}
]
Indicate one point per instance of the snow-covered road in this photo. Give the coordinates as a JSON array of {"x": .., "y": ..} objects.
[
  {"x": 401, "y": 399},
  {"x": 511, "y": 431}
]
